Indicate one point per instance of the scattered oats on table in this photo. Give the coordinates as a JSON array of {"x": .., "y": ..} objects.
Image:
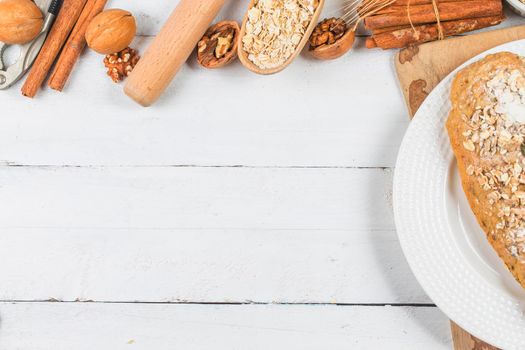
[{"x": 275, "y": 28}]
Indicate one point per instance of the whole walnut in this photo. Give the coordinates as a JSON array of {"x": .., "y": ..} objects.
[
  {"x": 20, "y": 21},
  {"x": 111, "y": 31}
]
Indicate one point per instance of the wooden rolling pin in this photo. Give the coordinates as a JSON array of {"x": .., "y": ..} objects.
[{"x": 170, "y": 49}]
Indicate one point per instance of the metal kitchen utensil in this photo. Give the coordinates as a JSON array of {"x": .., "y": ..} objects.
[{"x": 9, "y": 75}]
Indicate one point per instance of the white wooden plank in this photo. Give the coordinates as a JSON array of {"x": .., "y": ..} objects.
[
  {"x": 123, "y": 326},
  {"x": 342, "y": 113},
  {"x": 246, "y": 265},
  {"x": 196, "y": 198},
  {"x": 201, "y": 234}
]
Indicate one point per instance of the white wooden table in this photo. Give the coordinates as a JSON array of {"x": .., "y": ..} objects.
[{"x": 241, "y": 212}]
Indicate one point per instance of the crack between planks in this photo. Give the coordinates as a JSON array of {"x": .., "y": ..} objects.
[
  {"x": 135, "y": 228},
  {"x": 7, "y": 164},
  {"x": 254, "y": 303}
]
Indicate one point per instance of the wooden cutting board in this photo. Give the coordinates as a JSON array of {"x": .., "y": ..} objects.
[{"x": 419, "y": 70}]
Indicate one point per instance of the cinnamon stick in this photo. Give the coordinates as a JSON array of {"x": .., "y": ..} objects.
[
  {"x": 66, "y": 19},
  {"x": 395, "y": 9},
  {"x": 422, "y": 14},
  {"x": 408, "y": 36},
  {"x": 388, "y": 29},
  {"x": 370, "y": 43},
  {"x": 421, "y": 2},
  {"x": 75, "y": 45}
]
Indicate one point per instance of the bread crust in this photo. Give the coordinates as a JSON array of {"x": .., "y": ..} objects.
[{"x": 472, "y": 97}]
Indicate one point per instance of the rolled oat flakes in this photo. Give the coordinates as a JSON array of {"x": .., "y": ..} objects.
[{"x": 275, "y": 28}]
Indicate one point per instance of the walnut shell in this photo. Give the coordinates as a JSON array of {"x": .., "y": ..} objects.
[
  {"x": 218, "y": 46},
  {"x": 331, "y": 39},
  {"x": 337, "y": 49},
  {"x": 111, "y": 31},
  {"x": 20, "y": 21}
]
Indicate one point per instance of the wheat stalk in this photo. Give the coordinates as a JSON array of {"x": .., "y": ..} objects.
[{"x": 354, "y": 11}]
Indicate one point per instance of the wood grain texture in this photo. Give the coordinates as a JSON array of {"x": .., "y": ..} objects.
[
  {"x": 465, "y": 341},
  {"x": 201, "y": 234},
  {"x": 195, "y": 197},
  {"x": 207, "y": 265},
  {"x": 419, "y": 70},
  {"x": 88, "y": 326},
  {"x": 196, "y": 123},
  {"x": 118, "y": 203}
]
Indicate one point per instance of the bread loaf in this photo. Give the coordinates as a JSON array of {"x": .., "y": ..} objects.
[{"x": 486, "y": 127}]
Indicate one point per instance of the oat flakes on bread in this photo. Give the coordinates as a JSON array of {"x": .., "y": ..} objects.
[{"x": 486, "y": 127}]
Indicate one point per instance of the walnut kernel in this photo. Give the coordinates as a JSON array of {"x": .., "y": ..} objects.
[
  {"x": 121, "y": 64},
  {"x": 218, "y": 46},
  {"x": 327, "y": 32}
]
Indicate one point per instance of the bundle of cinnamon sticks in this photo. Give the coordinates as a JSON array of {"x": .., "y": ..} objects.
[
  {"x": 410, "y": 22},
  {"x": 63, "y": 45}
]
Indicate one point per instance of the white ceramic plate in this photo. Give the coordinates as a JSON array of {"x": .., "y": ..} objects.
[
  {"x": 443, "y": 243},
  {"x": 517, "y": 6}
]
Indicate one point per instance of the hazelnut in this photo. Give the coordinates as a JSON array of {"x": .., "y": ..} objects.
[
  {"x": 218, "y": 46},
  {"x": 20, "y": 21},
  {"x": 111, "y": 31}
]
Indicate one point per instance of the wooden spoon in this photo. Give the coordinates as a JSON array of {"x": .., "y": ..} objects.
[
  {"x": 337, "y": 49},
  {"x": 243, "y": 56}
]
